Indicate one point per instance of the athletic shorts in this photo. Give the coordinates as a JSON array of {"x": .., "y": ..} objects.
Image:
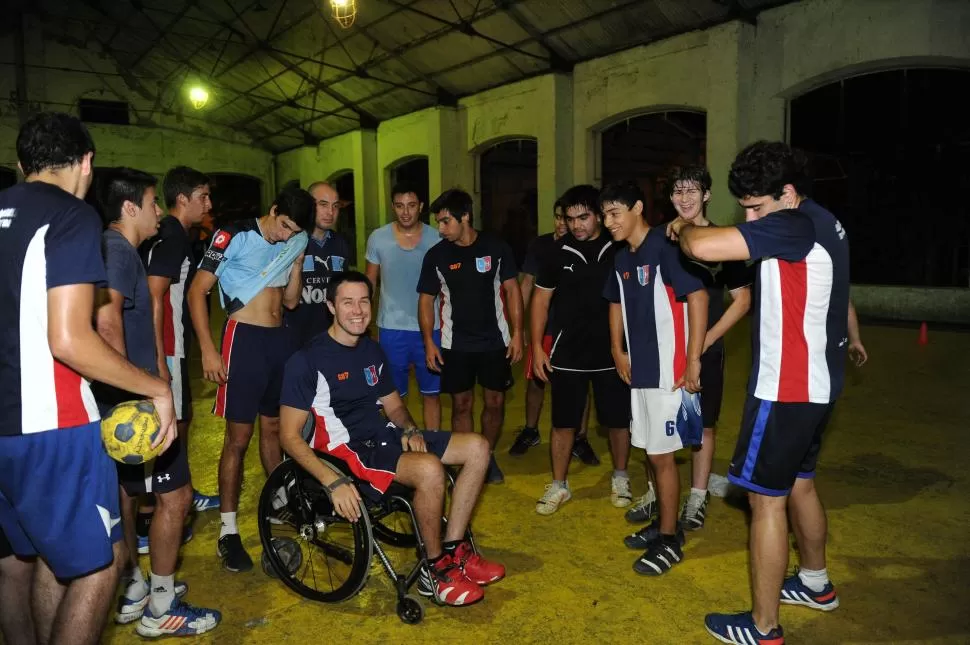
[
  {"x": 404, "y": 348},
  {"x": 254, "y": 357},
  {"x": 462, "y": 370},
  {"x": 164, "y": 474},
  {"x": 570, "y": 391},
  {"x": 59, "y": 499},
  {"x": 660, "y": 423},
  {"x": 547, "y": 348},
  {"x": 778, "y": 443},
  {"x": 181, "y": 392},
  {"x": 712, "y": 380},
  {"x": 375, "y": 461}
]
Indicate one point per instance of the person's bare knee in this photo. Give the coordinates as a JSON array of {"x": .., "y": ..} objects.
[
  {"x": 176, "y": 501},
  {"x": 467, "y": 450},
  {"x": 494, "y": 400},
  {"x": 462, "y": 402},
  {"x": 238, "y": 436}
]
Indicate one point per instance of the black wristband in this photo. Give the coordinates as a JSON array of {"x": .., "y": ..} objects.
[{"x": 340, "y": 482}]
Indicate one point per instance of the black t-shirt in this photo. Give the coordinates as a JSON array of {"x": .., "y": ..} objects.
[
  {"x": 469, "y": 279},
  {"x": 538, "y": 255},
  {"x": 577, "y": 271},
  {"x": 322, "y": 259},
  {"x": 718, "y": 277},
  {"x": 170, "y": 255}
]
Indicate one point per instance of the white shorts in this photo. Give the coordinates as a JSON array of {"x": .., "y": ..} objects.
[{"x": 654, "y": 420}]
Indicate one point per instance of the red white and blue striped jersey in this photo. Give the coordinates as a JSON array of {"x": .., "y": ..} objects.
[
  {"x": 651, "y": 284},
  {"x": 341, "y": 385},
  {"x": 49, "y": 239},
  {"x": 801, "y": 305}
]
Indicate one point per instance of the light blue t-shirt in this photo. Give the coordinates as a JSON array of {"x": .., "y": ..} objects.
[{"x": 400, "y": 269}]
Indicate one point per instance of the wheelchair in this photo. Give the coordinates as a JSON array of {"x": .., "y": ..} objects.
[{"x": 336, "y": 555}]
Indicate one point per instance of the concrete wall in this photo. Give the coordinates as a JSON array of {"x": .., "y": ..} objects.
[{"x": 741, "y": 75}]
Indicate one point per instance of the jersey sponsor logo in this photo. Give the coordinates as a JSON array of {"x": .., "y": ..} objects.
[
  {"x": 483, "y": 265},
  {"x": 643, "y": 275},
  {"x": 312, "y": 295},
  {"x": 569, "y": 268},
  {"x": 455, "y": 266},
  {"x": 370, "y": 375},
  {"x": 221, "y": 240},
  {"x": 626, "y": 275},
  {"x": 343, "y": 376},
  {"x": 6, "y": 217}
]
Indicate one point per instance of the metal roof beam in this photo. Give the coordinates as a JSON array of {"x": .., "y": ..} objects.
[{"x": 557, "y": 60}]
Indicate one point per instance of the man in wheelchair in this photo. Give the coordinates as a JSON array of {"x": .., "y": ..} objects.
[{"x": 340, "y": 376}]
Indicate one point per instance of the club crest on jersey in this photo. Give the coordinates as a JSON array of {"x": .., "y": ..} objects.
[
  {"x": 370, "y": 375},
  {"x": 221, "y": 240},
  {"x": 483, "y": 265},
  {"x": 643, "y": 275}
]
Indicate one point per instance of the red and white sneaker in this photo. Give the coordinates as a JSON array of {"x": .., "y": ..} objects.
[
  {"x": 476, "y": 568},
  {"x": 445, "y": 584}
]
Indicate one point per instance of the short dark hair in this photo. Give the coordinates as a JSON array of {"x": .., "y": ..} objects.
[
  {"x": 347, "y": 276},
  {"x": 558, "y": 206},
  {"x": 122, "y": 185},
  {"x": 455, "y": 201},
  {"x": 581, "y": 195},
  {"x": 627, "y": 193},
  {"x": 765, "y": 167},
  {"x": 694, "y": 174},
  {"x": 52, "y": 140},
  {"x": 181, "y": 180},
  {"x": 403, "y": 188},
  {"x": 297, "y": 204}
]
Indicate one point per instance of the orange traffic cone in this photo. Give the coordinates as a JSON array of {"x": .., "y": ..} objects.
[{"x": 923, "y": 336}]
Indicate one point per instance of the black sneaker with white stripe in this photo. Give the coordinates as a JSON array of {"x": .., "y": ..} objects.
[
  {"x": 659, "y": 558},
  {"x": 648, "y": 534},
  {"x": 694, "y": 512}
]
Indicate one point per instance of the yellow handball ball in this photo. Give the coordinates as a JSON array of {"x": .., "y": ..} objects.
[{"x": 128, "y": 431}]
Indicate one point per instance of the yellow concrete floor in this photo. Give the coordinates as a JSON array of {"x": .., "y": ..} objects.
[{"x": 892, "y": 475}]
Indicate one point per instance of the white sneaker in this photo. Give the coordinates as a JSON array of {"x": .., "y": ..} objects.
[
  {"x": 621, "y": 495},
  {"x": 554, "y": 497}
]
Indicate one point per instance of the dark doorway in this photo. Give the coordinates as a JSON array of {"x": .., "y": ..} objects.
[
  {"x": 645, "y": 148},
  {"x": 347, "y": 220},
  {"x": 414, "y": 172},
  {"x": 510, "y": 197},
  {"x": 235, "y": 197},
  {"x": 8, "y": 177},
  {"x": 890, "y": 157}
]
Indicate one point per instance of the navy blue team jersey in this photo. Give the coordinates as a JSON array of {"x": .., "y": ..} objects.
[
  {"x": 341, "y": 385},
  {"x": 170, "y": 255},
  {"x": 50, "y": 239},
  {"x": 651, "y": 284},
  {"x": 801, "y": 305},
  {"x": 322, "y": 259},
  {"x": 469, "y": 280}
]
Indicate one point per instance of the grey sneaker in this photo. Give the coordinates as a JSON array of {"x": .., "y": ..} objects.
[
  {"x": 695, "y": 509},
  {"x": 620, "y": 494},
  {"x": 554, "y": 497},
  {"x": 644, "y": 509}
]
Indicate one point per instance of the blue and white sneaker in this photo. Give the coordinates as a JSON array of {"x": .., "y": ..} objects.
[
  {"x": 143, "y": 548},
  {"x": 796, "y": 592},
  {"x": 131, "y": 610},
  {"x": 202, "y": 502},
  {"x": 181, "y": 619},
  {"x": 739, "y": 629}
]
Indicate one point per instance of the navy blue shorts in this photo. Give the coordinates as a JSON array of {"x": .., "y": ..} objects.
[
  {"x": 59, "y": 499},
  {"x": 778, "y": 443},
  {"x": 375, "y": 461},
  {"x": 404, "y": 348},
  {"x": 255, "y": 357}
]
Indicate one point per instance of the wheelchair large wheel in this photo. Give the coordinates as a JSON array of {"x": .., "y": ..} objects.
[{"x": 334, "y": 555}]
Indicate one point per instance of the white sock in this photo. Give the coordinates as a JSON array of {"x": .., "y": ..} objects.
[
  {"x": 163, "y": 594},
  {"x": 814, "y": 580},
  {"x": 621, "y": 474},
  {"x": 699, "y": 493},
  {"x": 135, "y": 585},
  {"x": 228, "y": 525},
  {"x": 560, "y": 484}
]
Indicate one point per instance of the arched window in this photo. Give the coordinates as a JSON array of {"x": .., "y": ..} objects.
[
  {"x": 890, "y": 155},
  {"x": 414, "y": 172},
  {"x": 509, "y": 190}
]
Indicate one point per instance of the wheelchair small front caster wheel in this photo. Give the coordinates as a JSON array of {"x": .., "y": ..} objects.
[{"x": 410, "y": 610}]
